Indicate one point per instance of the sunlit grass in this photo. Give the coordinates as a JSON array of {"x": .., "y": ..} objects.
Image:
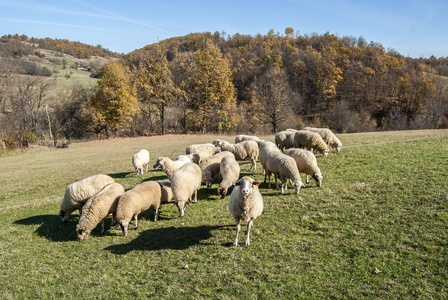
[{"x": 377, "y": 229}]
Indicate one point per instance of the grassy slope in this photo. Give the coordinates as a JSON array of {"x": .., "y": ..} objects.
[{"x": 383, "y": 205}]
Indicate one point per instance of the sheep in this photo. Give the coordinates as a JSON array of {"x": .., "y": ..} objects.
[
  {"x": 203, "y": 152},
  {"x": 245, "y": 204},
  {"x": 168, "y": 166},
  {"x": 283, "y": 167},
  {"x": 230, "y": 172},
  {"x": 184, "y": 183},
  {"x": 190, "y": 149},
  {"x": 210, "y": 167},
  {"x": 242, "y": 137},
  {"x": 167, "y": 192},
  {"x": 306, "y": 163},
  {"x": 243, "y": 150},
  {"x": 265, "y": 149},
  {"x": 184, "y": 158},
  {"x": 285, "y": 139},
  {"x": 328, "y": 136},
  {"x": 97, "y": 208},
  {"x": 310, "y": 140},
  {"x": 138, "y": 199},
  {"x": 77, "y": 193},
  {"x": 140, "y": 160}
]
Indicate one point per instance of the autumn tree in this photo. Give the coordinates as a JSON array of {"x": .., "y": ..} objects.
[
  {"x": 214, "y": 93},
  {"x": 115, "y": 101},
  {"x": 155, "y": 85}
]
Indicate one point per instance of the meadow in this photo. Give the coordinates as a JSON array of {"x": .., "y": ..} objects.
[{"x": 377, "y": 229}]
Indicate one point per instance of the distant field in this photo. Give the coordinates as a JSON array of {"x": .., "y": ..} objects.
[{"x": 377, "y": 229}]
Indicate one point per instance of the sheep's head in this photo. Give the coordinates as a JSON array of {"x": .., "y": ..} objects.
[
  {"x": 159, "y": 163},
  {"x": 222, "y": 192},
  {"x": 124, "y": 226},
  {"x": 297, "y": 185},
  {"x": 64, "y": 216},
  {"x": 318, "y": 177},
  {"x": 327, "y": 150},
  {"x": 246, "y": 184},
  {"x": 82, "y": 233},
  {"x": 181, "y": 206}
]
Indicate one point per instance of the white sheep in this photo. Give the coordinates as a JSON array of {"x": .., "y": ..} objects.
[
  {"x": 97, "y": 208},
  {"x": 328, "y": 136},
  {"x": 184, "y": 183},
  {"x": 310, "y": 140},
  {"x": 211, "y": 165},
  {"x": 283, "y": 167},
  {"x": 265, "y": 149},
  {"x": 242, "y": 137},
  {"x": 203, "y": 152},
  {"x": 77, "y": 193},
  {"x": 306, "y": 163},
  {"x": 245, "y": 204},
  {"x": 168, "y": 166},
  {"x": 141, "y": 160},
  {"x": 243, "y": 150},
  {"x": 191, "y": 148},
  {"x": 138, "y": 199},
  {"x": 230, "y": 172},
  {"x": 167, "y": 192},
  {"x": 285, "y": 139}
]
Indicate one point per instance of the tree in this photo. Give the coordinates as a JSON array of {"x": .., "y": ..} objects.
[
  {"x": 274, "y": 96},
  {"x": 115, "y": 101},
  {"x": 155, "y": 83},
  {"x": 214, "y": 93}
]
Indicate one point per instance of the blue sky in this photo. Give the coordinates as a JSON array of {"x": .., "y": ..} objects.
[{"x": 415, "y": 28}]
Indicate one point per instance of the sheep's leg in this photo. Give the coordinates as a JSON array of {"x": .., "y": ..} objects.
[
  {"x": 254, "y": 165},
  {"x": 284, "y": 186},
  {"x": 156, "y": 213},
  {"x": 249, "y": 226},
  {"x": 307, "y": 179},
  {"x": 102, "y": 226},
  {"x": 196, "y": 196},
  {"x": 238, "y": 228},
  {"x": 276, "y": 181},
  {"x": 269, "y": 178},
  {"x": 135, "y": 221}
]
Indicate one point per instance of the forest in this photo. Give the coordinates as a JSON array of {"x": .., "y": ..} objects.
[{"x": 217, "y": 83}]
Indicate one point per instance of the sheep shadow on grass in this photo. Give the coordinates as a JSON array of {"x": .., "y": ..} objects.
[
  {"x": 166, "y": 238},
  {"x": 52, "y": 228}
]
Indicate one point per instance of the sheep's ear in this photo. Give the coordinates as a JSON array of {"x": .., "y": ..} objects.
[{"x": 257, "y": 183}]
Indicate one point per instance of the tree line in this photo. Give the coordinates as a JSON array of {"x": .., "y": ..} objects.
[{"x": 206, "y": 82}]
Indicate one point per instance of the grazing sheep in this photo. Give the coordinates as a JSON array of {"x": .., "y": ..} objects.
[
  {"x": 243, "y": 150},
  {"x": 328, "y": 136},
  {"x": 133, "y": 202},
  {"x": 140, "y": 160},
  {"x": 266, "y": 148},
  {"x": 202, "y": 153},
  {"x": 285, "y": 139},
  {"x": 190, "y": 149},
  {"x": 210, "y": 167},
  {"x": 310, "y": 140},
  {"x": 306, "y": 163},
  {"x": 77, "y": 193},
  {"x": 245, "y": 204},
  {"x": 168, "y": 166},
  {"x": 242, "y": 137},
  {"x": 230, "y": 172},
  {"x": 283, "y": 167},
  {"x": 184, "y": 183},
  {"x": 97, "y": 208},
  {"x": 184, "y": 158}
]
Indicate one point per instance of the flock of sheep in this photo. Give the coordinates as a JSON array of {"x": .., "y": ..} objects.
[{"x": 98, "y": 196}]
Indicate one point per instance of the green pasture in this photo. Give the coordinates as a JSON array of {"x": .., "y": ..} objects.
[{"x": 377, "y": 229}]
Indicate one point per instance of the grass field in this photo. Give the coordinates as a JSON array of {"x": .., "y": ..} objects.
[{"x": 377, "y": 229}]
